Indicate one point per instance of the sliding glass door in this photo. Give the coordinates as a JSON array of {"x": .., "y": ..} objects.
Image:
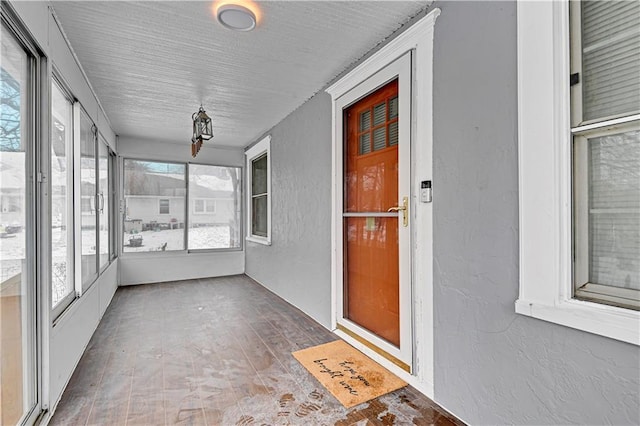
[
  {"x": 62, "y": 276},
  {"x": 103, "y": 202},
  {"x": 18, "y": 380},
  {"x": 88, "y": 200}
]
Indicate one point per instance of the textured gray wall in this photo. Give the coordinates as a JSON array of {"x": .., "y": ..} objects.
[
  {"x": 297, "y": 265},
  {"x": 491, "y": 365}
]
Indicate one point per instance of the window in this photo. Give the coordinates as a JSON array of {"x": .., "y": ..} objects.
[
  {"x": 164, "y": 206},
  {"x": 259, "y": 197},
  {"x": 579, "y": 115},
  {"x": 155, "y": 195},
  {"x": 382, "y": 131},
  {"x": 204, "y": 206},
  {"x": 215, "y": 222},
  {"x": 605, "y": 49},
  {"x": 62, "y": 282}
]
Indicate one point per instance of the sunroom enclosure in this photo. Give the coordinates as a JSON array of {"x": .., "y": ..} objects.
[{"x": 514, "y": 192}]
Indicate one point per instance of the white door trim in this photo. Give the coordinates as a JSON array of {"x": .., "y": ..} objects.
[{"x": 419, "y": 39}]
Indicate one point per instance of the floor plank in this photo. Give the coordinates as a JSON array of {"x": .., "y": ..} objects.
[{"x": 215, "y": 352}]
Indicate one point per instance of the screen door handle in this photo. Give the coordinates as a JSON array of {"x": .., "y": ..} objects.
[{"x": 404, "y": 208}]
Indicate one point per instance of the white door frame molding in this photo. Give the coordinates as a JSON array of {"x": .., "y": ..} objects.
[{"x": 417, "y": 39}]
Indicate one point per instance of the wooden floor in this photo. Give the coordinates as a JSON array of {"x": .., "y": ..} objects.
[{"x": 214, "y": 352}]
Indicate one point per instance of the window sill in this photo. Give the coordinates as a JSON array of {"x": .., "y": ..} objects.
[
  {"x": 609, "y": 321},
  {"x": 259, "y": 240}
]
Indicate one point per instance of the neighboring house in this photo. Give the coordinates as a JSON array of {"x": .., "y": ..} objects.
[{"x": 161, "y": 203}]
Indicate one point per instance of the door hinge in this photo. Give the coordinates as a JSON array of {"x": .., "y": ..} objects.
[{"x": 40, "y": 177}]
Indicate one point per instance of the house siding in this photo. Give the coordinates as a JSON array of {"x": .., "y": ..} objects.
[{"x": 492, "y": 366}]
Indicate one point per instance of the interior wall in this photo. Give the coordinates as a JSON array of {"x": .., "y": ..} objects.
[
  {"x": 297, "y": 264},
  {"x": 491, "y": 365},
  {"x": 143, "y": 268}
]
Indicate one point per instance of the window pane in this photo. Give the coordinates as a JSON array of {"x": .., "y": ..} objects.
[
  {"x": 379, "y": 114},
  {"x": 393, "y": 108},
  {"x": 17, "y": 344},
  {"x": 365, "y": 120},
  {"x": 259, "y": 175},
  {"x": 393, "y": 133},
  {"x": 103, "y": 200},
  {"x": 165, "y": 206},
  {"x": 88, "y": 183},
  {"x": 379, "y": 138},
  {"x": 610, "y": 58},
  {"x": 151, "y": 188},
  {"x": 214, "y": 219},
  {"x": 614, "y": 210},
  {"x": 61, "y": 196},
  {"x": 365, "y": 143},
  {"x": 259, "y": 215}
]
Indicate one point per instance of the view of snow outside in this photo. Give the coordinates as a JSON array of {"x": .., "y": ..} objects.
[
  {"x": 209, "y": 236},
  {"x": 155, "y": 205}
]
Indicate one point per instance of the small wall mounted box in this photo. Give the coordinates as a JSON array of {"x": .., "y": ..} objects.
[{"x": 425, "y": 191}]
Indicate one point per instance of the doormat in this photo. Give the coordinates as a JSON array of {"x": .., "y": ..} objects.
[{"x": 347, "y": 373}]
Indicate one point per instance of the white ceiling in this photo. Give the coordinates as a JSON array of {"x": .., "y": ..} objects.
[{"x": 153, "y": 63}]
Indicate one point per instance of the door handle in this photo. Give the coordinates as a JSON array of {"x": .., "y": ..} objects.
[{"x": 404, "y": 208}]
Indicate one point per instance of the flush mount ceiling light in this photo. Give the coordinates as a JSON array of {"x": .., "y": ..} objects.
[{"x": 236, "y": 17}]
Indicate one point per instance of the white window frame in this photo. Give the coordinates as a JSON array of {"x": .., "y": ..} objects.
[
  {"x": 545, "y": 179},
  {"x": 257, "y": 150}
]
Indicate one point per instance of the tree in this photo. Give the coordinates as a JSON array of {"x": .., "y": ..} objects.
[{"x": 10, "y": 132}]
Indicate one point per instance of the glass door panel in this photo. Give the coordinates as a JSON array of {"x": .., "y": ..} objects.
[
  {"x": 103, "y": 201},
  {"x": 17, "y": 296},
  {"x": 88, "y": 213},
  {"x": 62, "y": 284}
]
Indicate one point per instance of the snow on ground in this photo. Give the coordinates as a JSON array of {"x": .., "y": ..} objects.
[
  {"x": 12, "y": 250},
  {"x": 209, "y": 237}
]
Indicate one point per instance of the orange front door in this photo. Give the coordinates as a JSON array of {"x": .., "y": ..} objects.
[{"x": 371, "y": 255}]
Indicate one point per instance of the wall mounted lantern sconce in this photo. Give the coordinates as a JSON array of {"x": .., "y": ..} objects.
[{"x": 202, "y": 130}]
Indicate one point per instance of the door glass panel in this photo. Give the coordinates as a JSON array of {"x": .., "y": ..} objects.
[
  {"x": 371, "y": 271},
  {"x": 88, "y": 201},
  {"x": 17, "y": 308},
  {"x": 61, "y": 196},
  {"x": 103, "y": 201},
  {"x": 113, "y": 204},
  {"x": 371, "y": 252}
]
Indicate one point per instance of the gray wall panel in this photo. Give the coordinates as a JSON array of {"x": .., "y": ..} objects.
[
  {"x": 493, "y": 366},
  {"x": 297, "y": 266}
]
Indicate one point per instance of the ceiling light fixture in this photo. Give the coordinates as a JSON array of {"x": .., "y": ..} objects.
[
  {"x": 202, "y": 130},
  {"x": 236, "y": 17}
]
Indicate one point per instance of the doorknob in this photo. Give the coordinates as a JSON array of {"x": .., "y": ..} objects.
[{"x": 404, "y": 208}]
